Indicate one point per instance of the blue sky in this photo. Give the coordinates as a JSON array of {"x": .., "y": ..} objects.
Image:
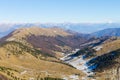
[{"x": 79, "y": 11}]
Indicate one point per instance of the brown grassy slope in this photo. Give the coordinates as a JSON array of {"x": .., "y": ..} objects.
[
  {"x": 109, "y": 71},
  {"x": 48, "y": 40},
  {"x": 109, "y": 46},
  {"x": 26, "y": 62},
  {"x": 58, "y": 43}
]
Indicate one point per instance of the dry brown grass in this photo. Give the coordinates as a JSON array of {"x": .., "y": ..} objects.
[
  {"x": 23, "y": 32},
  {"x": 109, "y": 73},
  {"x": 108, "y": 47},
  {"x": 33, "y": 66}
]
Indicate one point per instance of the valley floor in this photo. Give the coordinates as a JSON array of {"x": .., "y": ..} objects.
[{"x": 78, "y": 63}]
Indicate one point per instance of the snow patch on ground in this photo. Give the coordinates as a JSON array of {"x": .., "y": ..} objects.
[
  {"x": 79, "y": 63},
  {"x": 71, "y": 77},
  {"x": 23, "y": 72},
  {"x": 74, "y": 77},
  {"x": 10, "y": 39},
  {"x": 97, "y": 48}
]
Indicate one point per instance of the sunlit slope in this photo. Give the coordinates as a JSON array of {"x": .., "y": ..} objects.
[
  {"x": 53, "y": 41},
  {"x": 108, "y": 47},
  {"x": 27, "y": 63}
]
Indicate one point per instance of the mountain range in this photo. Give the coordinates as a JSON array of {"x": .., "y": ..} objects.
[
  {"x": 84, "y": 28},
  {"x": 107, "y": 32},
  {"x": 50, "y": 53}
]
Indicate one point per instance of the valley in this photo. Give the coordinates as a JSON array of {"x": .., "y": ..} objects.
[
  {"x": 53, "y": 53},
  {"x": 60, "y": 40}
]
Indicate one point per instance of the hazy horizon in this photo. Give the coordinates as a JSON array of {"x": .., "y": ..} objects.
[{"x": 85, "y": 16}]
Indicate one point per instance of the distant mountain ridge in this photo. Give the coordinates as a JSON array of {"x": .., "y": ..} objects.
[
  {"x": 107, "y": 32},
  {"x": 85, "y": 28}
]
